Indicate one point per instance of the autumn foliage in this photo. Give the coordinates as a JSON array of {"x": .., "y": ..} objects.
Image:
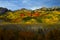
[{"x": 23, "y": 16}]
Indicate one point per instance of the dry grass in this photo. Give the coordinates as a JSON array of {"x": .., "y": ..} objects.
[{"x": 15, "y": 34}]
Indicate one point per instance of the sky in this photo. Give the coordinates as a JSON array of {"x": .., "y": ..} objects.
[{"x": 28, "y": 4}]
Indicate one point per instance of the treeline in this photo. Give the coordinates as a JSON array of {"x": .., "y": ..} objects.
[{"x": 41, "y": 15}]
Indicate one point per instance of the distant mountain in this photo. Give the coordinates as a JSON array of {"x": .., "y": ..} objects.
[{"x": 3, "y": 10}]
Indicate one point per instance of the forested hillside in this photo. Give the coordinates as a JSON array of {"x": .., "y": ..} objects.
[{"x": 25, "y": 16}]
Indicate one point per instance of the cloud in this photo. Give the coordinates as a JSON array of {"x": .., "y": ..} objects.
[
  {"x": 25, "y": 1},
  {"x": 37, "y": 7},
  {"x": 33, "y": 8},
  {"x": 8, "y": 5}
]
